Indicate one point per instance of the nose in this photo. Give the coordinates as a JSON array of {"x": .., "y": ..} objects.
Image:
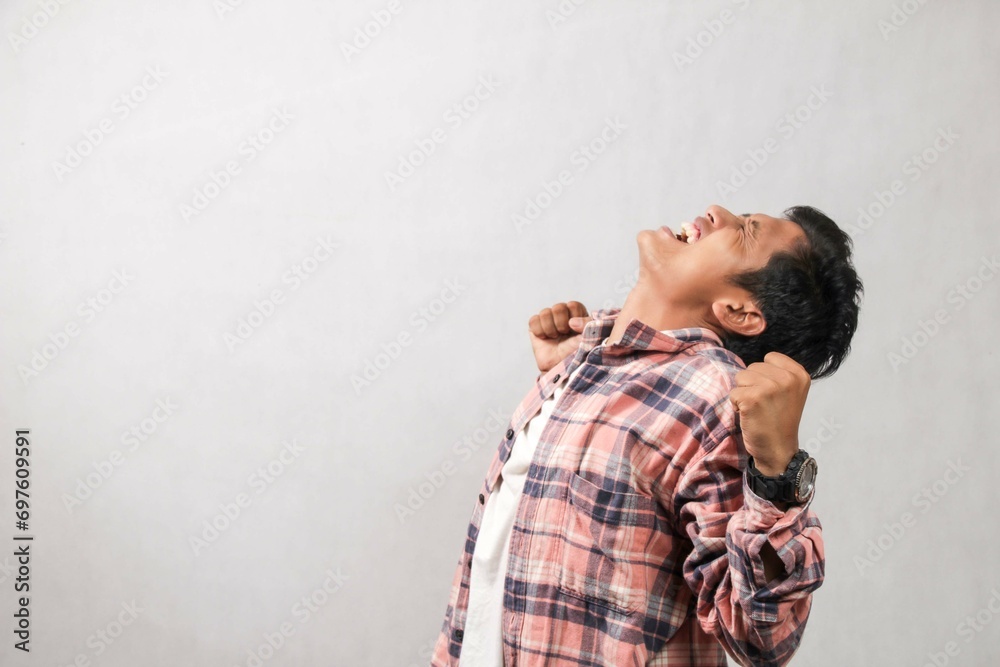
[{"x": 718, "y": 216}]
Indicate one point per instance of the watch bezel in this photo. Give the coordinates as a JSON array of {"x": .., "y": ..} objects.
[{"x": 809, "y": 462}]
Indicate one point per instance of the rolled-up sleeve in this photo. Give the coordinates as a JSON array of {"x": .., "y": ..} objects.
[{"x": 758, "y": 622}]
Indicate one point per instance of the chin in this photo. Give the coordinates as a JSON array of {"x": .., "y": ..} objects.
[
  {"x": 644, "y": 240},
  {"x": 652, "y": 250},
  {"x": 649, "y": 239}
]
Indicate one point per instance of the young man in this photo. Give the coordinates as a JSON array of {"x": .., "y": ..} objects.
[{"x": 649, "y": 503}]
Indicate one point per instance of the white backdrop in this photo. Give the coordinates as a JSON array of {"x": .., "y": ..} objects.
[{"x": 266, "y": 281}]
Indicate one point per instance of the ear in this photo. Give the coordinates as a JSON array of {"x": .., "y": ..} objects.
[{"x": 739, "y": 316}]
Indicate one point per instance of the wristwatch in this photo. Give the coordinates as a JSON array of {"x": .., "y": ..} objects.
[{"x": 795, "y": 485}]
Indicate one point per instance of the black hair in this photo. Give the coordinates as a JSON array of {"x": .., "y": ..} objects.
[{"x": 809, "y": 297}]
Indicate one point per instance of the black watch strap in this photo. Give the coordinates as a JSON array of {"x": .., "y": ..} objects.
[{"x": 782, "y": 487}]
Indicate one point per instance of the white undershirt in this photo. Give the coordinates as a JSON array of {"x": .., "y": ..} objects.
[{"x": 482, "y": 639}]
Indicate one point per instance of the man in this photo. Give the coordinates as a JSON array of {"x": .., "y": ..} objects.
[{"x": 649, "y": 504}]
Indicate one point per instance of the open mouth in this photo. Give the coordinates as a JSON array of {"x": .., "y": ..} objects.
[{"x": 690, "y": 232}]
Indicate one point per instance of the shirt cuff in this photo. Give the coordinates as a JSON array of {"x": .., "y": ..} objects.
[
  {"x": 763, "y": 515},
  {"x": 764, "y": 522}
]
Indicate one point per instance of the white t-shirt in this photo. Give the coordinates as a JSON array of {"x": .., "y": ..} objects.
[{"x": 482, "y": 640}]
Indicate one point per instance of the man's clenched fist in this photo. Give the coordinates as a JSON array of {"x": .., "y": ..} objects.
[
  {"x": 770, "y": 396},
  {"x": 555, "y": 332}
]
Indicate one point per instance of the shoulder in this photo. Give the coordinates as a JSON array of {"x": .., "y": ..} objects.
[
  {"x": 704, "y": 378},
  {"x": 709, "y": 372}
]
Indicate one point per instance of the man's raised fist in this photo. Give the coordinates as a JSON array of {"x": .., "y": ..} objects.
[{"x": 555, "y": 332}]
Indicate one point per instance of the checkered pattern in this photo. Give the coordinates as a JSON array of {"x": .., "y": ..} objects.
[{"x": 637, "y": 538}]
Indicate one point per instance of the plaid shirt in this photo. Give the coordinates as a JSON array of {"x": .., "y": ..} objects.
[{"x": 637, "y": 538}]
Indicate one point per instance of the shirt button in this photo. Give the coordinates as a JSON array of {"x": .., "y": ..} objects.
[
  {"x": 482, "y": 499},
  {"x": 510, "y": 433},
  {"x": 458, "y": 635},
  {"x": 556, "y": 378}
]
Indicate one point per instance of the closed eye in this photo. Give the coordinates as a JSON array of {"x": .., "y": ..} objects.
[{"x": 754, "y": 225}]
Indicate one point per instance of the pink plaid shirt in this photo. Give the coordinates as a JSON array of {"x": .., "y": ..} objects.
[{"x": 637, "y": 538}]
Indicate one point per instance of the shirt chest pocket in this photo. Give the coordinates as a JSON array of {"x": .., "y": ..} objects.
[{"x": 604, "y": 538}]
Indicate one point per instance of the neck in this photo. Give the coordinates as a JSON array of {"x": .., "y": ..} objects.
[{"x": 658, "y": 313}]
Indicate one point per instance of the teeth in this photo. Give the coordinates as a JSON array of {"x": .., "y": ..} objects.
[{"x": 689, "y": 231}]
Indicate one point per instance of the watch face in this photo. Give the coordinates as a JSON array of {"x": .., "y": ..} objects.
[{"x": 807, "y": 479}]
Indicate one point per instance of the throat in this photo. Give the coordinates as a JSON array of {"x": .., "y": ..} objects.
[{"x": 653, "y": 311}]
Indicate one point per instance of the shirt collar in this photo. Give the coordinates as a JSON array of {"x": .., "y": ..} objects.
[{"x": 641, "y": 336}]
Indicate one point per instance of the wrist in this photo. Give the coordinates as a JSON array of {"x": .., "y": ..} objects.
[
  {"x": 793, "y": 485},
  {"x": 773, "y": 466}
]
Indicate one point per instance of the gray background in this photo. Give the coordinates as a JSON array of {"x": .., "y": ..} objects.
[{"x": 883, "y": 429}]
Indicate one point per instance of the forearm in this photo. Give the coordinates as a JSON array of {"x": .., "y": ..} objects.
[
  {"x": 782, "y": 563},
  {"x": 750, "y": 597}
]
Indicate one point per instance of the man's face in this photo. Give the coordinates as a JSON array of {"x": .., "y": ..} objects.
[{"x": 694, "y": 273}]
